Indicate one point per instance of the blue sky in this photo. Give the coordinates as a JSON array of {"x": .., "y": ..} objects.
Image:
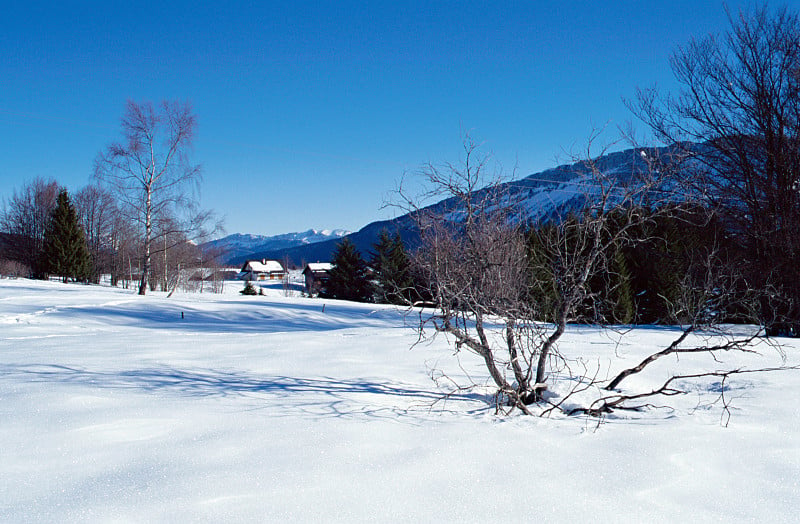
[{"x": 311, "y": 112}]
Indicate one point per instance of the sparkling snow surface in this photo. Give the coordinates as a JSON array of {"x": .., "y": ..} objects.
[{"x": 253, "y": 409}]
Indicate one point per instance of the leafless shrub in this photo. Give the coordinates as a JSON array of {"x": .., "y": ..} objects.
[
  {"x": 493, "y": 294},
  {"x": 12, "y": 268}
]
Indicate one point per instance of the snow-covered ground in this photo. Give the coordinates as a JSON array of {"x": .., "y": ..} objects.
[{"x": 225, "y": 408}]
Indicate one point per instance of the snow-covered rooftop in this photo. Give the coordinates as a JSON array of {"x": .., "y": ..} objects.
[
  {"x": 320, "y": 266},
  {"x": 263, "y": 266}
]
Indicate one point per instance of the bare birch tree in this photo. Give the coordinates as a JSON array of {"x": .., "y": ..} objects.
[{"x": 151, "y": 173}]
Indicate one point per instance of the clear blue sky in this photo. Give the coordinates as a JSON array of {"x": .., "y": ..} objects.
[{"x": 310, "y": 112}]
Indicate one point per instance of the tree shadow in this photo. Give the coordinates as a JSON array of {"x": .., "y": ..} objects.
[
  {"x": 319, "y": 396},
  {"x": 257, "y": 317}
]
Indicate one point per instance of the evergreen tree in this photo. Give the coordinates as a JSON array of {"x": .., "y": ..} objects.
[
  {"x": 65, "y": 252},
  {"x": 542, "y": 287},
  {"x": 392, "y": 270},
  {"x": 611, "y": 298},
  {"x": 609, "y": 290},
  {"x": 405, "y": 285},
  {"x": 667, "y": 260},
  {"x": 249, "y": 289},
  {"x": 658, "y": 263},
  {"x": 348, "y": 277},
  {"x": 624, "y": 309}
]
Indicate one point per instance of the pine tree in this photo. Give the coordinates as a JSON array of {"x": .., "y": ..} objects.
[
  {"x": 669, "y": 248},
  {"x": 624, "y": 309},
  {"x": 392, "y": 269},
  {"x": 405, "y": 286},
  {"x": 348, "y": 277},
  {"x": 542, "y": 287},
  {"x": 65, "y": 252},
  {"x": 609, "y": 296},
  {"x": 381, "y": 262}
]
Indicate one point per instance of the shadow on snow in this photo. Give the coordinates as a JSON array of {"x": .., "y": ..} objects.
[
  {"x": 322, "y": 396},
  {"x": 246, "y": 317}
]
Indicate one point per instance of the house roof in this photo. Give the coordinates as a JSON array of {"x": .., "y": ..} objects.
[
  {"x": 262, "y": 266},
  {"x": 318, "y": 266}
]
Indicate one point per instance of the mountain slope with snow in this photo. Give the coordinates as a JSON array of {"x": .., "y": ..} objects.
[{"x": 540, "y": 196}]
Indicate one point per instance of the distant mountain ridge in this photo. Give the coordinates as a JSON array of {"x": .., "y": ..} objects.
[
  {"x": 539, "y": 197},
  {"x": 238, "y": 247}
]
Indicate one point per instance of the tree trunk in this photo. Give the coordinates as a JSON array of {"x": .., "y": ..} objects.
[
  {"x": 548, "y": 345},
  {"x": 148, "y": 227}
]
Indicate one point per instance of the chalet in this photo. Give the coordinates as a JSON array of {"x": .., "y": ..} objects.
[
  {"x": 316, "y": 276},
  {"x": 262, "y": 270}
]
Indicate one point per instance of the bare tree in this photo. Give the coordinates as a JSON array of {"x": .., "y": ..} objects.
[
  {"x": 210, "y": 268},
  {"x": 510, "y": 300},
  {"x": 151, "y": 173},
  {"x": 11, "y": 268},
  {"x": 173, "y": 255},
  {"x": 97, "y": 212},
  {"x": 740, "y": 100},
  {"x": 25, "y": 218},
  {"x": 125, "y": 248}
]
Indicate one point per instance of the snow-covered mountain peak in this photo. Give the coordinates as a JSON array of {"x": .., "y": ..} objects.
[{"x": 237, "y": 245}]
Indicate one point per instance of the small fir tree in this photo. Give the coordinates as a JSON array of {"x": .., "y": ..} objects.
[
  {"x": 248, "y": 289},
  {"x": 348, "y": 277},
  {"x": 65, "y": 251}
]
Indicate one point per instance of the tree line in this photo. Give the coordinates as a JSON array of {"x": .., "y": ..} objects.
[
  {"x": 644, "y": 281},
  {"x": 387, "y": 277},
  {"x": 137, "y": 221}
]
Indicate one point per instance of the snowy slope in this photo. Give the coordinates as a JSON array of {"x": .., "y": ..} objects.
[{"x": 253, "y": 409}]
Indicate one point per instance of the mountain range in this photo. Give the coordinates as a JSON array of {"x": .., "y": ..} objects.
[
  {"x": 238, "y": 247},
  {"x": 537, "y": 197}
]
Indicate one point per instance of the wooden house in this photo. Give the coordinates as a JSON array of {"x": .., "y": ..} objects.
[
  {"x": 316, "y": 276},
  {"x": 262, "y": 270}
]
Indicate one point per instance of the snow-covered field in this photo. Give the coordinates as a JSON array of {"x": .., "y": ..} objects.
[{"x": 224, "y": 408}]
